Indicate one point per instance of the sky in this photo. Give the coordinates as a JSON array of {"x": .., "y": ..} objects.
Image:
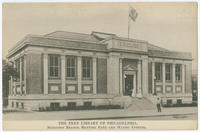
[{"x": 169, "y": 25}]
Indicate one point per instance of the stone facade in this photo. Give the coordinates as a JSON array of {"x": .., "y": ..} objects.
[{"x": 63, "y": 67}]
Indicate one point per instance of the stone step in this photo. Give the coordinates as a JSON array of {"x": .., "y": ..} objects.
[{"x": 141, "y": 104}]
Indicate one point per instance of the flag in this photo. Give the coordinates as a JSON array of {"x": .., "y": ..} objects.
[{"x": 133, "y": 13}]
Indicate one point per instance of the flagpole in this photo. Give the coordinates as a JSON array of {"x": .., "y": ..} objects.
[{"x": 128, "y": 22}]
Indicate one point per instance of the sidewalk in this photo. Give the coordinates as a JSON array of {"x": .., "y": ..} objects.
[
  {"x": 116, "y": 114},
  {"x": 98, "y": 114}
]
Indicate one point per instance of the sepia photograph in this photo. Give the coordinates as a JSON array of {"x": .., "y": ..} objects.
[{"x": 100, "y": 66}]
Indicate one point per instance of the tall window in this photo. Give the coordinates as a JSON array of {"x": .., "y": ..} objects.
[
  {"x": 70, "y": 67},
  {"x": 86, "y": 68},
  {"x": 168, "y": 72},
  {"x": 17, "y": 69},
  {"x": 54, "y": 66},
  {"x": 158, "y": 71},
  {"x": 178, "y": 72}
]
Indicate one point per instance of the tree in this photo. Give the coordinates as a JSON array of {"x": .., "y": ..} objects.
[{"x": 7, "y": 71}]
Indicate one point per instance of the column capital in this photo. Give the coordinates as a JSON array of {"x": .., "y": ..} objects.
[
  {"x": 45, "y": 53},
  {"x": 120, "y": 60},
  {"x": 139, "y": 61},
  {"x": 94, "y": 57},
  {"x": 62, "y": 57}
]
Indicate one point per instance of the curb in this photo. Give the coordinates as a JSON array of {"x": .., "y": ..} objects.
[{"x": 121, "y": 117}]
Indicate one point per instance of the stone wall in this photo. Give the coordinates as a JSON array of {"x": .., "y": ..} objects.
[
  {"x": 101, "y": 76},
  {"x": 188, "y": 75},
  {"x": 34, "y": 73}
]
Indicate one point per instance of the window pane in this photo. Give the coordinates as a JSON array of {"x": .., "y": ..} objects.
[
  {"x": 54, "y": 66},
  {"x": 56, "y": 71},
  {"x": 88, "y": 63},
  {"x": 158, "y": 71},
  {"x": 56, "y": 60},
  {"x": 84, "y": 62},
  {"x": 68, "y": 72},
  {"x": 51, "y": 71},
  {"x": 72, "y": 62},
  {"x": 70, "y": 66},
  {"x": 178, "y": 72},
  {"x": 88, "y": 73},
  {"x": 84, "y": 73},
  {"x": 68, "y": 62},
  {"x": 73, "y": 72},
  {"x": 51, "y": 60}
]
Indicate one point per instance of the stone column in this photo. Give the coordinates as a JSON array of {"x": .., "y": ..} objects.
[
  {"x": 20, "y": 77},
  {"x": 14, "y": 84},
  {"x": 25, "y": 75},
  {"x": 120, "y": 77},
  {"x": 163, "y": 76},
  {"x": 79, "y": 74},
  {"x": 153, "y": 77},
  {"x": 45, "y": 73},
  {"x": 183, "y": 78},
  {"x": 139, "y": 87},
  {"x": 144, "y": 77},
  {"x": 173, "y": 78},
  {"x": 94, "y": 71},
  {"x": 11, "y": 85},
  {"x": 63, "y": 74}
]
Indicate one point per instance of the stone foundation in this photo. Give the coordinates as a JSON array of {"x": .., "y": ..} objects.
[{"x": 42, "y": 101}]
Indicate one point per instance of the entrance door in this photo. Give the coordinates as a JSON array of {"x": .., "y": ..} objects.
[{"x": 128, "y": 84}]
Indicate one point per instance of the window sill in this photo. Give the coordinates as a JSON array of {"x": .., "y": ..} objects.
[
  {"x": 54, "y": 78},
  {"x": 87, "y": 79},
  {"x": 70, "y": 78}
]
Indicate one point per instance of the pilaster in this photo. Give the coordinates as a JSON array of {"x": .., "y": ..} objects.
[
  {"x": 163, "y": 76},
  {"x": 63, "y": 74},
  {"x": 120, "y": 77},
  {"x": 20, "y": 77},
  {"x": 183, "y": 78},
  {"x": 173, "y": 78},
  {"x": 144, "y": 77},
  {"x": 11, "y": 85},
  {"x": 153, "y": 77},
  {"x": 139, "y": 87},
  {"x": 94, "y": 64},
  {"x": 45, "y": 73},
  {"x": 79, "y": 74},
  {"x": 25, "y": 75}
]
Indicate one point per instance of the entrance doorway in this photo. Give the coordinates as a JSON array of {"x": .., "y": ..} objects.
[{"x": 129, "y": 84}]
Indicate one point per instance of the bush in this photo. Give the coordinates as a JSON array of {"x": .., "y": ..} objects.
[
  {"x": 63, "y": 108},
  {"x": 181, "y": 105}
]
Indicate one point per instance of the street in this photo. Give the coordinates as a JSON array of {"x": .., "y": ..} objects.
[{"x": 182, "y": 113}]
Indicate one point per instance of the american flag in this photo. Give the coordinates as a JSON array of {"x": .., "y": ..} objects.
[{"x": 133, "y": 13}]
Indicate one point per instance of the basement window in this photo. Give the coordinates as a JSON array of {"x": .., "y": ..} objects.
[
  {"x": 87, "y": 104},
  {"x": 71, "y": 104}
]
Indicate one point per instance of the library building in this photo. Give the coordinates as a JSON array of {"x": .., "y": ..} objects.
[{"x": 74, "y": 69}]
